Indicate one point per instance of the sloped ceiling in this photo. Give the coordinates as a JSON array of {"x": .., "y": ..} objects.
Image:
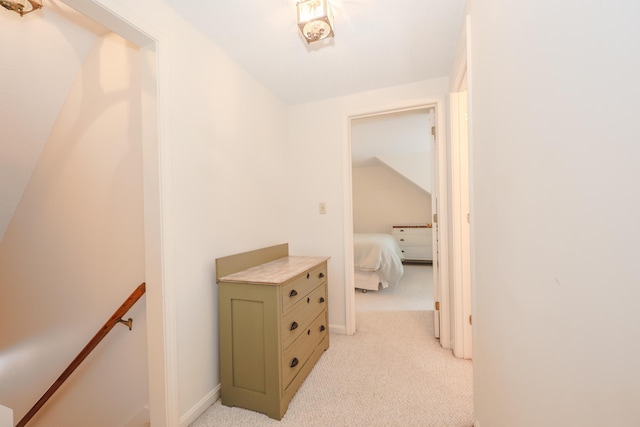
[
  {"x": 41, "y": 56},
  {"x": 400, "y": 141},
  {"x": 378, "y": 43}
]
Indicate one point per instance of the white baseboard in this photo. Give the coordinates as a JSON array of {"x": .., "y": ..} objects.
[
  {"x": 199, "y": 408},
  {"x": 338, "y": 329},
  {"x": 211, "y": 397}
]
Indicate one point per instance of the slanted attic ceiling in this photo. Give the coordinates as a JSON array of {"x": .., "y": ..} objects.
[
  {"x": 41, "y": 55},
  {"x": 378, "y": 44}
]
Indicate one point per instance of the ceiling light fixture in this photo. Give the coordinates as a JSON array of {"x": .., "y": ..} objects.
[
  {"x": 315, "y": 20},
  {"x": 22, "y": 7}
]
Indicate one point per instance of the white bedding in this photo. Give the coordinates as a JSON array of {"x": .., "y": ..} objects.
[{"x": 378, "y": 253}]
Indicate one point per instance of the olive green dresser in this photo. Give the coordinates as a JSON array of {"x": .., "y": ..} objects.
[{"x": 273, "y": 326}]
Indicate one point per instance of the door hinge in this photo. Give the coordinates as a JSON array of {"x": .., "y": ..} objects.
[
  {"x": 470, "y": 320},
  {"x": 435, "y": 218},
  {"x": 437, "y": 305},
  {"x": 433, "y": 130}
]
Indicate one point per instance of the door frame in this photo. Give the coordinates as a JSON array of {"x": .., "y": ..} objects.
[
  {"x": 461, "y": 193},
  {"x": 437, "y": 103}
]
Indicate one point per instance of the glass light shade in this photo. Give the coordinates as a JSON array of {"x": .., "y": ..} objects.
[
  {"x": 21, "y": 6},
  {"x": 315, "y": 20}
]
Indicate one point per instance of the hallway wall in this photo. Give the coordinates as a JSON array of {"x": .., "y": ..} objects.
[{"x": 555, "y": 100}]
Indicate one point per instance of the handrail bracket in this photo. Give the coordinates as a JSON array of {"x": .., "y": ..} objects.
[{"x": 128, "y": 322}]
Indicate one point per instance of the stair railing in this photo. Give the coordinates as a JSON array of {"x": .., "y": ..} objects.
[{"x": 102, "y": 332}]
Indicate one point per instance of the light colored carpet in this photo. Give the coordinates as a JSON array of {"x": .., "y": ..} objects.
[
  {"x": 392, "y": 372},
  {"x": 413, "y": 292}
]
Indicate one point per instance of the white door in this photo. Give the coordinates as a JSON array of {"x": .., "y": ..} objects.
[
  {"x": 465, "y": 226},
  {"x": 435, "y": 234},
  {"x": 461, "y": 248}
]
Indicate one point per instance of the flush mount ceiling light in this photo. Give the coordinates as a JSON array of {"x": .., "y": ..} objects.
[
  {"x": 22, "y": 7},
  {"x": 315, "y": 20}
]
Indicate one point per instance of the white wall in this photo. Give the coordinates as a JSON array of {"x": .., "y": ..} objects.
[
  {"x": 555, "y": 212},
  {"x": 382, "y": 198},
  {"x": 223, "y": 172},
  {"x": 222, "y": 143},
  {"x": 320, "y": 167},
  {"x": 229, "y": 188},
  {"x": 74, "y": 251}
]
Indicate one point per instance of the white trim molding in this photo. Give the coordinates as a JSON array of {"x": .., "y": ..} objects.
[{"x": 199, "y": 408}]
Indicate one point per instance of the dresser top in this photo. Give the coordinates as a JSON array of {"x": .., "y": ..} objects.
[{"x": 275, "y": 272}]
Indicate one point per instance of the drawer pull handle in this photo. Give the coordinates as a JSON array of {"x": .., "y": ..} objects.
[
  {"x": 293, "y": 326},
  {"x": 308, "y": 300},
  {"x": 321, "y": 275},
  {"x": 308, "y": 275},
  {"x": 402, "y": 240},
  {"x": 294, "y": 362},
  {"x": 322, "y": 328},
  {"x": 308, "y": 331},
  {"x": 321, "y": 299},
  {"x": 293, "y": 293}
]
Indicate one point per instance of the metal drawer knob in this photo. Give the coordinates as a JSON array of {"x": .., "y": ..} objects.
[
  {"x": 293, "y": 293},
  {"x": 308, "y": 275},
  {"x": 293, "y": 326},
  {"x": 321, "y": 299},
  {"x": 321, "y": 275},
  {"x": 322, "y": 328},
  {"x": 294, "y": 362}
]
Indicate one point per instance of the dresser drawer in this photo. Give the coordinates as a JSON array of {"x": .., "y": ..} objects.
[
  {"x": 296, "y": 320},
  {"x": 417, "y": 252},
  {"x": 300, "y": 287},
  {"x": 296, "y": 356},
  {"x": 412, "y": 236}
]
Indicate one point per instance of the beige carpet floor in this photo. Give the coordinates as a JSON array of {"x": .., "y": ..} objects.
[
  {"x": 414, "y": 292},
  {"x": 392, "y": 372}
]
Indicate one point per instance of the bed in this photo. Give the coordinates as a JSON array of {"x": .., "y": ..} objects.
[{"x": 377, "y": 261}]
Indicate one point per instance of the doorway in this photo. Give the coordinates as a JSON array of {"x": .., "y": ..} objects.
[
  {"x": 438, "y": 206},
  {"x": 391, "y": 188}
]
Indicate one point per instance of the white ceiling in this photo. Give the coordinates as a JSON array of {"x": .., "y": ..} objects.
[{"x": 378, "y": 43}]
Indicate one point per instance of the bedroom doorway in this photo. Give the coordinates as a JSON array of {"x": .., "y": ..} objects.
[{"x": 394, "y": 188}]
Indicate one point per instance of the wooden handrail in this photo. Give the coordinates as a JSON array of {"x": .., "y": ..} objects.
[{"x": 102, "y": 332}]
